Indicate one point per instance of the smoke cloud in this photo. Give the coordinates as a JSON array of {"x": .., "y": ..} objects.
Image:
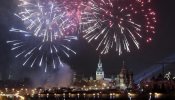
[{"x": 60, "y": 77}]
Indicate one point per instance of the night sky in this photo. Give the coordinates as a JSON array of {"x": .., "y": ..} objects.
[{"x": 85, "y": 62}]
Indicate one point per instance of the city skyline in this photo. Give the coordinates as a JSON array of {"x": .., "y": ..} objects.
[
  {"x": 87, "y": 49},
  {"x": 86, "y": 59}
]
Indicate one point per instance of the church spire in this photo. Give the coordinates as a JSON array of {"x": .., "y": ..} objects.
[
  {"x": 99, "y": 62},
  {"x": 99, "y": 71}
]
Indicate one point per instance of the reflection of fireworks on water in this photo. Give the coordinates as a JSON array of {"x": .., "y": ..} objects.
[
  {"x": 117, "y": 23},
  {"x": 49, "y": 26},
  {"x": 47, "y": 19},
  {"x": 36, "y": 53}
]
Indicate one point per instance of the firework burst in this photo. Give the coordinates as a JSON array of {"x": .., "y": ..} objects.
[
  {"x": 47, "y": 19},
  {"x": 33, "y": 52},
  {"x": 49, "y": 26},
  {"x": 117, "y": 23}
]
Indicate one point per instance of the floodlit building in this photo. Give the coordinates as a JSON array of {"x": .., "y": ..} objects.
[
  {"x": 99, "y": 71},
  {"x": 122, "y": 81}
]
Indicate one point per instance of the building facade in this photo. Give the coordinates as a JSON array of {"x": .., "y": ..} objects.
[
  {"x": 123, "y": 80},
  {"x": 99, "y": 71}
]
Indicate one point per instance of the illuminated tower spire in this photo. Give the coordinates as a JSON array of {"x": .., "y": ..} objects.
[
  {"x": 123, "y": 77},
  {"x": 99, "y": 71},
  {"x": 99, "y": 63}
]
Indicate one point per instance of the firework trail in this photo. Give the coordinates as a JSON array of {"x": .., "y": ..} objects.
[
  {"x": 33, "y": 52},
  {"x": 117, "y": 23},
  {"x": 47, "y": 19},
  {"x": 49, "y": 26}
]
